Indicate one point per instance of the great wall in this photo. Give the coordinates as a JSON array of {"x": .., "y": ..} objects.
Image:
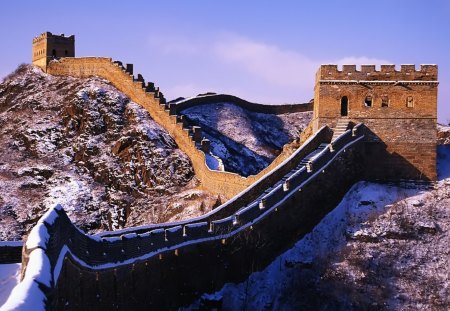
[
  {"x": 189, "y": 139},
  {"x": 164, "y": 266}
]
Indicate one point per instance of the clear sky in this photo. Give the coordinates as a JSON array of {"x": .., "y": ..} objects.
[{"x": 263, "y": 51}]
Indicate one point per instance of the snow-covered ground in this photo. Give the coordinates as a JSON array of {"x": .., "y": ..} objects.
[
  {"x": 244, "y": 140},
  {"x": 9, "y": 277},
  {"x": 83, "y": 144},
  {"x": 382, "y": 247}
]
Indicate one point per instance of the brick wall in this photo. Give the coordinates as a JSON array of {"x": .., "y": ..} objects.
[
  {"x": 225, "y": 98},
  {"x": 174, "y": 278},
  {"x": 10, "y": 252},
  {"x": 168, "y": 267},
  {"x": 224, "y": 183},
  {"x": 399, "y": 107},
  {"x": 47, "y": 46}
]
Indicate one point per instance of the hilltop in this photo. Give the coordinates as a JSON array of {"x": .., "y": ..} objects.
[
  {"x": 246, "y": 141},
  {"x": 83, "y": 144}
]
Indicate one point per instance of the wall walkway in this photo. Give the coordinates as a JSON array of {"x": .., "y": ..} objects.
[
  {"x": 166, "y": 267},
  {"x": 189, "y": 140}
]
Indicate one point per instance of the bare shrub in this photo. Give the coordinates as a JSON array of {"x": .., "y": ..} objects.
[{"x": 19, "y": 70}]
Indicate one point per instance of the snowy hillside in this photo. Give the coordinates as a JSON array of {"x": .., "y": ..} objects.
[
  {"x": 246, "y": 141},
  {"x": 84, "y": 145},
  {"x": 384, "y": 247},
  {"x": 443, "y": 134}
]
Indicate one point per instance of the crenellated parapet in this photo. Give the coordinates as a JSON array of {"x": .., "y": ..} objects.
[
  {"x": 48, "y": 46},
  {"x": 188, "y": 137},
  {"x": 399, "y": 104},
  {"x": 385, "y": 73},
  {"x": 64, "y": 268},
  {"x": 47, "y": 35}
]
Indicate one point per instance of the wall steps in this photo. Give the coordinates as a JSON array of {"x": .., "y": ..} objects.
[
  {"x": 185, "y": 252},
  {"x": 310, "y": 157},
  {"x": 341, "y": 126}
]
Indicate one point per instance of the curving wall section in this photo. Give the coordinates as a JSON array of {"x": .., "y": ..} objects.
[
  {"x": 225, "y": 98},
  {"x": 148, "y": 96},
  {"x": 168, "y": 266}
]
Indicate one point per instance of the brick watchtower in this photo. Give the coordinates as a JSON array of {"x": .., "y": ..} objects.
[
  {"x": 398, "y": 107},
  {"x": 48, "y": 46}
]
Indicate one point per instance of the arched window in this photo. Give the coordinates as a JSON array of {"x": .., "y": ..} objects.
[
  {"x": 368, "y": 101},
  {"x": 66, "y": 53},
  {"x": 54, "y": 53},
  {"x": 344, "y": 106}
]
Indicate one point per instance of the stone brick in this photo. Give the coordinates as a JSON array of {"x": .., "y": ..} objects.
[
  {"x": 406, "y": 126},
  {"x": 48, "y": 46}
]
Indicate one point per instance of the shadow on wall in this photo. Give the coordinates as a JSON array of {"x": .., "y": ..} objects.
[
  {"x": 246, "y": 141},
  {"x": 384, "y": 165},
  {"x": 310, "y": 267},
  {"x": 443, "y": 158},
  {"x": 204, "y": 267}
]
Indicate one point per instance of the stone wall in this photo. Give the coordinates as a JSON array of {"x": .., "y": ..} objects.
[
  {"x": 168, "y": 268},
  {"x": 224, "y": 183},
  {"x": 225, "y": 98},
  {"x": 10, "y": 252},
  {"x": 399, "y": 107},
  {"x": 248, "y": 195},
  {"x": 47, "y": 46}
]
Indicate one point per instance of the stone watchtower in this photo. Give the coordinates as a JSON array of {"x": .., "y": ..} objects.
[
  {"x": 399, "y": 108},
  {"x": 48, "y": 46}
]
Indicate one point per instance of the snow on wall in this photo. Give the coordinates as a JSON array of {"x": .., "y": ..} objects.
[
  {"x": 39, "y": 273},
  {"x": 9, "y": 278}
]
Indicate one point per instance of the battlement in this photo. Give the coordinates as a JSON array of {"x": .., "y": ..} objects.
[
  {"x": 48, "y": 46},
  {"x": 48, "y": 34},
  {"x": 385, "y": 73},
  {"x": 398, "y": 104},
  {"x": 71, "y": 270}
]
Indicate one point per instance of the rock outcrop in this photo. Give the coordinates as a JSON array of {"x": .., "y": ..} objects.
[{"x": 83, "y": 144}]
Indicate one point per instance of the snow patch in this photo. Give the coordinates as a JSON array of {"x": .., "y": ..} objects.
[
  {"x": 263, "y": 288},
  {"x": 214, "y": 163},
  {"x": 38, "y": 237},
  {"x": 9, "y": 277}
]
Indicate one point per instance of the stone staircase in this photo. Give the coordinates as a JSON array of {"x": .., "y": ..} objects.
[
  {"x": 305, "y": 162},
  {"x": 341, "y": 126}
]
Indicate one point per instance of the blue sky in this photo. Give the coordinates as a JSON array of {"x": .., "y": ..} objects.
[{"x": 264, "y": 51}]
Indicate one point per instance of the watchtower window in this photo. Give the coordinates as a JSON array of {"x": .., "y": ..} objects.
[
  {"x": 384, "y": 101},
  {"x": 54, "y": 53},
  {"x": 66, "y": 53},
  {"x": 344, "y": 106},
  {"x": 410, "y": 102},
  {"x": 368, "y": 101}
]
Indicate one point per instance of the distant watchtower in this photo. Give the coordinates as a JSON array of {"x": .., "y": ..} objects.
[
  {"x": 399, "y": 107},
  {"x": 48, "y": 46}
]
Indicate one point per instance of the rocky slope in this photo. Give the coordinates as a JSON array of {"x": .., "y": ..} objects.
[
  {"x": 245, "y": 141},
  {"x": 443, "y": 134},
  {"x": 83, "y": 144},
  {"x": 384, "y": 247}
]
